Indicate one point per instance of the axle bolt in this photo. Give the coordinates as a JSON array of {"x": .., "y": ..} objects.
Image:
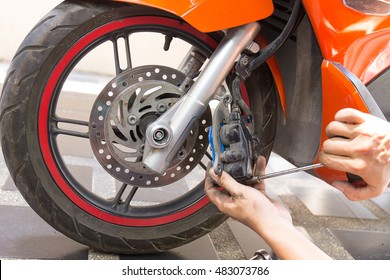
[{"x": 159, "y": 135}]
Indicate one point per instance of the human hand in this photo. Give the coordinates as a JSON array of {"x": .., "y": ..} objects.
[
  {"x": 358, "y": 143},
  {"x": 248, "y": 205},
  {"x": 270, "y": 219}
]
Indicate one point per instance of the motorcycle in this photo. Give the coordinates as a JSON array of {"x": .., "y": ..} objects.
[{"x": 279, "y": 69}]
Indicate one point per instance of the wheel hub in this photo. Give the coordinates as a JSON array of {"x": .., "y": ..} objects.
[{"x": 119, "y": 119}]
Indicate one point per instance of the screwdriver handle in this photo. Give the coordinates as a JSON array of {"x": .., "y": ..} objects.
[{"x": 356, "y": 180}]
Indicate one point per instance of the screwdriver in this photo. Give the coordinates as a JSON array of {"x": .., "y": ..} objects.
[
  {"x": 284, "y": 172},
  {"x": 352, "y": 178}
]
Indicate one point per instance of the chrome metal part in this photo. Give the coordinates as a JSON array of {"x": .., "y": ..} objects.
[
  {"x": 121, "y": 115},
  {"x": 284, "y": 172},
  {"x": 184, "y": 115},
  {"x": 261, "y": 255}
]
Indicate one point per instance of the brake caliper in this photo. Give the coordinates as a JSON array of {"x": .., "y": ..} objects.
[{"x": 232, "y": 144}]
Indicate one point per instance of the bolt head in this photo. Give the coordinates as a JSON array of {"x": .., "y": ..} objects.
[
  {"x": 162, "y": 107},
  {"x": 132, "y": 119}
]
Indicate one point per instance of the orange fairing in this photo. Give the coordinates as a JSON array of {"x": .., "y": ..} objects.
[
  {"x": 369, "y": 55},
  {"x": 357, "y": 40},
  {"x": 337, "y": 92},
  {"x": 213, "y": 15},
  {"x": 338, "y": 26}
]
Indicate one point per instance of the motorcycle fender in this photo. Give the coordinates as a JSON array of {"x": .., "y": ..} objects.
[
  {"x": 342, "y": 89},
  {"x": 212, "y": 15},
  {"x": 275, "y": 70}
]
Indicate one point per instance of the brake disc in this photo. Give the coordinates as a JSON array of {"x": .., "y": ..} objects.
[{"x": 119, "y": 119}]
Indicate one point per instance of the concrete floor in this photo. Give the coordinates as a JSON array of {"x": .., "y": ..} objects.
[{"x": 343, "y": 229}]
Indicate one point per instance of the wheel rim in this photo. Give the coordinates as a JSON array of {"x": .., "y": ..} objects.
[{"x": 120, "y": 206}]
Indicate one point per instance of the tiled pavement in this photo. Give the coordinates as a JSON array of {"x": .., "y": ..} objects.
[{"x": 343, "y": 229}]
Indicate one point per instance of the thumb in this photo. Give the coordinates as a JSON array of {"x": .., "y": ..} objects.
[
  {"x": 226, "y": 182},
  {"x": 259, "y": 171},
  {"x": 260, "y": 165}
]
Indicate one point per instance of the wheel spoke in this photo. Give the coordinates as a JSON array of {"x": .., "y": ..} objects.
[
  {"x": 118, "y": 196},
  {"x": 118, "y": 69},
  {"x": 130, "y": 197},
  {"x": 118, "y": 53},
  {"x": 128, "y": 53},
  {"x": 118, "y": 201},
  {"x": 203, "y": 165},
  {"x": 70, "y": 121},
  {"x": 57, "y": 130}
]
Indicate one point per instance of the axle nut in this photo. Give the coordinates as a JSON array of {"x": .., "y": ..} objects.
[{"x": 158, "y": 135}]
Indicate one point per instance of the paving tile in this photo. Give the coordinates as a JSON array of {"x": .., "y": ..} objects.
[
  {"x": 24, "y": 235},
  {"x": 326, "y": 202},
  {"x": 383, "y": 201},
  {"x": 9, "y": 185},
  {"x": 200, "y": 249},
  {"x": 248, "y": 240},
  {"x": 365, "y": 245},
  {"x": 356, "y": 207}
]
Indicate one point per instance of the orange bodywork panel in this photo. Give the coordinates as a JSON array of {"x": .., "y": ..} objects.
[
  {"x": 213, "y": 15},
  {"x": 357, "y": 40},
  {"x": 338, "y": 92},
  {"x": 337, "y": 26},
  {"x": 369, "y": 55}
]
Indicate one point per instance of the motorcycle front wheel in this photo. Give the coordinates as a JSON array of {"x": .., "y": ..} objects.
[{"x": 54, "y": 136}]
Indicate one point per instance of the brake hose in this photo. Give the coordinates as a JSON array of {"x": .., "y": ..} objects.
[{"x": 273, "y": 47}]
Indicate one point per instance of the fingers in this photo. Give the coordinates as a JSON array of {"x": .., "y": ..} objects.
[
  {"x": 260, "y": 170},
  {"x": 337, "y": 146},
  {"x": 346, "y": 123},
  {"x": 212, "y": 191},
  {"x": 340, "y": 129},
  {"x": 234, "y": 189},
  {"x": 352, "y": 116},
  {"x": 260, "y": 165},
  {"x": 224, "y": 201},
  {"x": 353, "y": 193},
  {"x": 227, "y": 182},
  {"x": 340, "y": 163}
]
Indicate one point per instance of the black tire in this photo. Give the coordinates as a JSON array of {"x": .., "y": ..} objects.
[{"x": 29, "y": 131}]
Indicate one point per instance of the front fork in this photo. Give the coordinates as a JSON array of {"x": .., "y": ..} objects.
[{"x": 166, "y": 135}]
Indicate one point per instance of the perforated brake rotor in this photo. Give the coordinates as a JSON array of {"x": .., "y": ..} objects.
[{"x": 120, "y": 116}]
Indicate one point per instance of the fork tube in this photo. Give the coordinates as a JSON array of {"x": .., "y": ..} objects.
[{"x": 178, "y": 121}]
